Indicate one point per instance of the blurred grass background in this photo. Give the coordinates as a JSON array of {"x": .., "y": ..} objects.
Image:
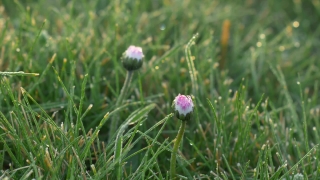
[{"x": 245, "y": 49}]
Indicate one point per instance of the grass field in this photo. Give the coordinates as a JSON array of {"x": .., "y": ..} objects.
[{"x": 252, "y": 68}]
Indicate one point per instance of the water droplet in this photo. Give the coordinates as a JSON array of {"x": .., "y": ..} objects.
[
  {"x": 296, "y": 24},
  {"x": 191, "y": 144},
  {"x": 162, "y": 27},
  {"x": 282, "y": 48},
  {"x": 259, "y": 44}
]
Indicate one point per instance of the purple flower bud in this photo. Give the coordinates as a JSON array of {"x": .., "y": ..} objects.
[
  {"x": 132, "y": 58},
  {"x": 183, "y": 107}
]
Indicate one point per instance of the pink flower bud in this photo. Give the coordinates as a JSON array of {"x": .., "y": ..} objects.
[
  {"x": 183, "y": 107},
  {"x": 132, "y": 58}
]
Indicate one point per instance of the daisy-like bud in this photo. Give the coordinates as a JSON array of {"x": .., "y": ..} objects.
[
  {"x": 183, "y": 107},
  {"x": 132, "y": 58}
]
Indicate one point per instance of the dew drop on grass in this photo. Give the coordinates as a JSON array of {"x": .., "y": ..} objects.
[
  {"x": 162, "y": 27},
  {"x": 258, "y": 44},
  {"x": 296, "y": 24},
  {"x": 282, "y": 48},
  {"x": 191, "y": 144}
]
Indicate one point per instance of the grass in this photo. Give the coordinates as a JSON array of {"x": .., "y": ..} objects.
[{"x": 256, "y": 116}]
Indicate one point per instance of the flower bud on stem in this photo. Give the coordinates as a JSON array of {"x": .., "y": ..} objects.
[
  {"x": 132, "y": 60},
  {"x": 183, "y": 107}
]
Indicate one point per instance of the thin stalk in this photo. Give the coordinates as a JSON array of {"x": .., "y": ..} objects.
[
  {"x": 20, "y": 73},
  {"x": 118, "y": 152},
  {"x": 191, "y": 67},
  {"x": 124, "y": 90},
  {"x": 175, "y": 150}
]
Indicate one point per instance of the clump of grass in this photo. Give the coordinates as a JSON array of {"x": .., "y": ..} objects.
[{"x": 61, "y": 75}]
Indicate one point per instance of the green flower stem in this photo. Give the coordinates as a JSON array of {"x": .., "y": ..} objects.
[
  {"x": 124, "y": 90},
  {"x": 175, "y": 150},
  {"x": 117, "y": 158}
]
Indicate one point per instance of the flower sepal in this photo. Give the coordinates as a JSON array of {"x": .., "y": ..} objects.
[{"x": 183, "y": 117}]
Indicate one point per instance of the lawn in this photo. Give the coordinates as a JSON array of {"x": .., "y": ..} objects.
[{"x": 69, "y": 109}]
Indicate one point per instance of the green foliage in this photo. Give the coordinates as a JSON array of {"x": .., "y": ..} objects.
[{"x": 61, "y": 75}]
